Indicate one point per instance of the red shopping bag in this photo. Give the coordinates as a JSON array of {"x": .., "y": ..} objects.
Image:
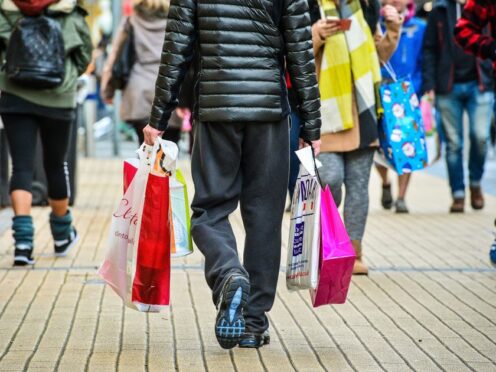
[
  {"x": 151, "y": 283},
  {"x": 137, "y": 259},
  {"x": 337, "y": 255}
]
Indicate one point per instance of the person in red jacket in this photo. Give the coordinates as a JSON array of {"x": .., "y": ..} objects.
[
  {"x": 470, "y": 29},
  {"x": 470, "y": 34}
]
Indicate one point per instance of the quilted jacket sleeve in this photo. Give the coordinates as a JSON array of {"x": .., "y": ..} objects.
[
  {"x": 297, "y": 33},
  {"x": 177, "y": 54}
]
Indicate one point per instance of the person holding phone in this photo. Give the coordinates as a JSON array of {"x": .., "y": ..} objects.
[{"x": 347, "y": 154}]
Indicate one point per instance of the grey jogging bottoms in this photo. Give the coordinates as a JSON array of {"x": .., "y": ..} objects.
[
  {"x": 248, "y": 164},
  {"x": 353, "y": 170}
]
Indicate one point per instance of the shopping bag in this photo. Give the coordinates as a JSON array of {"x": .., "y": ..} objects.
[
  {"x": 137, "y": 260},
  {"x": 304, "y": 231},
  {"x": 130, "y": 170},
  {"x": 337, "y": 255},
  {"x": 181, "y": 241},
  {"x": 401, "y": 128},
  {"x": 181, "y": 244},
  {"x": 432, "y": 140}
]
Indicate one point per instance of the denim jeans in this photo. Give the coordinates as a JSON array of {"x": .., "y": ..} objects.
[
  {"x": 293, "y": 146},
  {"x": 479, "y": 107}
]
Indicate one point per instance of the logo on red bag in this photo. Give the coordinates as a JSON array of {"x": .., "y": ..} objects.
[{"x": 128, "y": 214}]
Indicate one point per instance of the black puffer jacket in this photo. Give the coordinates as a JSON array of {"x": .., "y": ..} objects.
[{"x": 244, "y": 46}]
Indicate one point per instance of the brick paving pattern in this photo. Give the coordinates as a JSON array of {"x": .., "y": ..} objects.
[{"x": 429, "y": 303}]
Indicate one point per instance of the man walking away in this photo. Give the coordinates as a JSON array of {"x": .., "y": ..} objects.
[
  {"x": 241, "y": 148},
  {"x": 460, "y": 82}
]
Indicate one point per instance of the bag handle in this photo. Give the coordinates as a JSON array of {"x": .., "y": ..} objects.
[
  {"x": 389, "y": 68},
  {"x": 315, "y": 164}
]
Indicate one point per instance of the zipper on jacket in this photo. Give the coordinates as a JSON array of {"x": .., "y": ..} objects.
[
  {"x": 440, "y": 36},
  {"x": 452, "y": 78},
  {"x": 479, "y": 75}
]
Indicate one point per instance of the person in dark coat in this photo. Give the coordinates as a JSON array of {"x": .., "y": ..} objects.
[
  {"x": 241, "y": 147},
  {"x": 459, "y": 82}
]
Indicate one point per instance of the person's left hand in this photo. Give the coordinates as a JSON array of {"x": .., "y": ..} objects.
[
  {"x": 391, "y": 14},
  {"x": 315, "y": 145},
  {"x": 151, "y": 134}
]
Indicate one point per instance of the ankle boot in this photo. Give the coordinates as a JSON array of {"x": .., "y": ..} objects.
[
  {"x": 359, "y": 268},
  {"x": 23, "y": 229},
  {"x": 64, "y": 234}
]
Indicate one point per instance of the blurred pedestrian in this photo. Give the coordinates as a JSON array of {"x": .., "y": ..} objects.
[
  {"x": 347, "y": 155},
  {"x": 28, "y": 109},
  {"x": 459, "y": 82},
  {"x": 147, "y": 28},
  {"x": 406, "y": 62},
  {"x": 241, "y": 147},
  {"x": 472, "y": 29},
  {"x": 471, "y": 33}
]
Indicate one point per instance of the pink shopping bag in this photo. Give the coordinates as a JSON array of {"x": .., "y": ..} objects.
[{"x": 337, "y": 255}]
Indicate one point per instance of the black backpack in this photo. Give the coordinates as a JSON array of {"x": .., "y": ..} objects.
[
  {"x": 126, "y": 57},
  {"x": 35, "y": 55}
]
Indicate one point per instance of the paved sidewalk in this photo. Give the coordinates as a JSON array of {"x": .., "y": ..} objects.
[{"x": 429, "y": 303}]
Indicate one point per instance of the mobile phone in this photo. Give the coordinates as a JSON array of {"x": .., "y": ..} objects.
[{"x": 344, "y": 24}]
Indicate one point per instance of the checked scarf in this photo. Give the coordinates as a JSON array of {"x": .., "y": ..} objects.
[{"x": 350, "y": 65}]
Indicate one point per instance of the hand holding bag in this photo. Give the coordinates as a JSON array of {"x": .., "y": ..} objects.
[
  {"x": 303, "y": 245},
  {"x": 326, "y": 265},
  {"x": 181, "y": 241},
  {"x": 137, "y": 261}
]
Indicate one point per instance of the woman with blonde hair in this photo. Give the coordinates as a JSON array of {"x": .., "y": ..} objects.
[
  {"x": 147, "y": 27},
  {"x": 348, "y": 48}
]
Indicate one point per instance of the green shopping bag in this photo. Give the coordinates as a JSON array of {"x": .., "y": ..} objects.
[{"x": 181, "y": 244}]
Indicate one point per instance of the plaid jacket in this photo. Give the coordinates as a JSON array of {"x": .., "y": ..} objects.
[{"x": 469, "y": 31}]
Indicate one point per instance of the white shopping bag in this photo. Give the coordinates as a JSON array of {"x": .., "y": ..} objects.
[
  {"x": 304, "y": 233},
  {"x": 119, "y": 266}
]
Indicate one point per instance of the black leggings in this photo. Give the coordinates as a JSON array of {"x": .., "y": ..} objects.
[{"x": 22, "y": 134}]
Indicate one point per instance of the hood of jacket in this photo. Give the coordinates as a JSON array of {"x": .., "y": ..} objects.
[
  {"x": 148, "y": 34},
  {"x": 148, "y": 23},
  {"x": 444, "y": 3}
]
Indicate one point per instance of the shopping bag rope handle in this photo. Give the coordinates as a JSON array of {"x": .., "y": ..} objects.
[
  {"x": 389, "y": 68},
  {"x": 315, "y": 164}
]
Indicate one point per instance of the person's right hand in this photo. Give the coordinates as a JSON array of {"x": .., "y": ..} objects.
[
  {"x": 315, "y": 145},
  {"x": 326, "y": 28},
  {"x": 151, "y": 134},
  {"x": 390, "y": 14}
]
